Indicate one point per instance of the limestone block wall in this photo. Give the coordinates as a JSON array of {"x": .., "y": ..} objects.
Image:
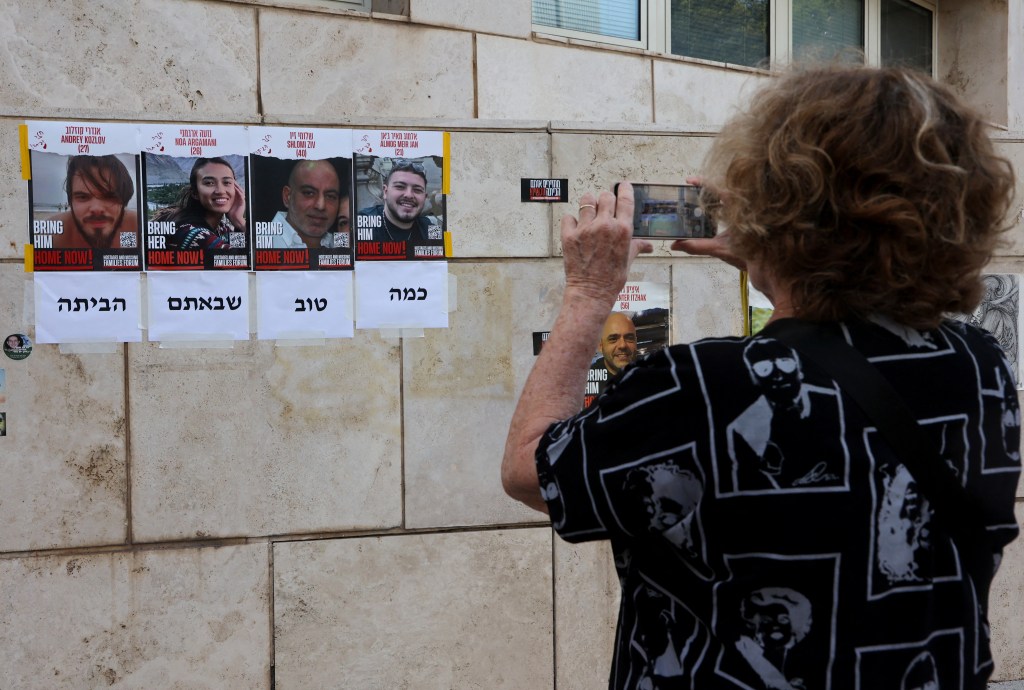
[{"x": 331, "y": 516}]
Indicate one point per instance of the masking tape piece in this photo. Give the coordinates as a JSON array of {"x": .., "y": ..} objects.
[
  {"x": 30, "y": 259},
  {"x": 301, "y": 342},
  {"x": 28, "y": 305},
  {"x": 89, "y": 348},
  {"x": 453, "y": 293},
  {"x": 447, "y": 244},
  {"x": 191, "y": 341}
]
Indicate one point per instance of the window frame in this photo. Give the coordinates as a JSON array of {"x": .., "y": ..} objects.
[{"x": 656, "y": 30}]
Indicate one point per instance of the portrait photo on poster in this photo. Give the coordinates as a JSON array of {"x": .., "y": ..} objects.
[
  {"x": 302, "y": 212},
  {"x": 637, "y": 326},
  {"x": 401, "y": 208},
  {"x": 84, "y": 211},
  {"x": 196, "y": 215}
]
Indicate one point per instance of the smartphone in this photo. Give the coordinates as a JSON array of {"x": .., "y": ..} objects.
[{"x": 669, "y": 211}]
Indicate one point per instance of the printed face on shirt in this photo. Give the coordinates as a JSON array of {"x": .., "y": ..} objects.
[
  {"x": 772, "y": 627},
  {"x": 667, "y": 492},
  {"x": 97, "y": 210},
  {"x": 775, "y": 369},
  {"x": 618, "y": 342},
  {"x": 312, "y": 198},
  {"x": 913, "y": 512},
  {"x": 903, "y": 532},
  {"x": 405, "y": 194},
  {"x": 215, "y": 184},
  {"x": 776, "y": 618},
  {"x": 1010, "y": 417}
]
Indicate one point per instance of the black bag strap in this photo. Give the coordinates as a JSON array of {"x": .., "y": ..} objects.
[{"x": 954, "y": 508}]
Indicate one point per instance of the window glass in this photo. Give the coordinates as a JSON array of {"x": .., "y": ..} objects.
[
  {"x": 906, "y": 31},
  {"x": 823, "y": 29},
  {"x": 354, "y": 4},
  {"x": 734, "y": 31},
  {"x": 615, "y": 18}
]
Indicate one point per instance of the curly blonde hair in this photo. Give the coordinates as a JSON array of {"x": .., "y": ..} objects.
[{"x": 864, "y": 191}]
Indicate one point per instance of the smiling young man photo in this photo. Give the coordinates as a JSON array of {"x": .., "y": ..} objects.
[
  {"x": 405, "y": 197},
  {"x": 98, "y": 190}
]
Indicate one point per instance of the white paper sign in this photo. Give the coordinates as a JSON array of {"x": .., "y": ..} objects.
[
  {"x": 397, "y": 143},
  {"x": 300, "y": 143},
  {"x": 304, "y": 304},
  {"x": 202, "y": 141},
  {"x": 402, "y": 294},
  {"x": 74, "y": 138},
  {"x": 88, "y": 307},
  {"x": 198, "y": 305}
]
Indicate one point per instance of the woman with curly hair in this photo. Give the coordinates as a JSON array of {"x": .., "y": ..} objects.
[{"x": 864, "y": 201}]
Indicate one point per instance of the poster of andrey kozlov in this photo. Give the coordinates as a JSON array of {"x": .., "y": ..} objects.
[{"x": 84, "y": 196}]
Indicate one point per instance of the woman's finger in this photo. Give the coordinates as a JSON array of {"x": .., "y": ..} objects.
[
  {"x": 624, "y": 203},
  {"x": 716, "y": 247}
]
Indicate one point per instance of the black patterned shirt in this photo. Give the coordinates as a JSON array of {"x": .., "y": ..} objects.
[{"x": 765, "y": 537}]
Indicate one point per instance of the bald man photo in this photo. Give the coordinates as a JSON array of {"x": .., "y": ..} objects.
[
  {"x": 617, "y": 347},
  {"x": 313, "y": 201},
  {"x": 618, "y": 343}
]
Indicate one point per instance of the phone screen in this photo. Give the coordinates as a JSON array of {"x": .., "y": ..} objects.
[{"x": 665, "y": 211}]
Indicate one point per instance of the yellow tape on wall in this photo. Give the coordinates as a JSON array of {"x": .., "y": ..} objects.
[{"x": 26, "y": 167}]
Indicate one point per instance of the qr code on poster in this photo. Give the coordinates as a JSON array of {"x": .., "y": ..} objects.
[
  {"x": 341, "y": 240},
  {"x": 434, "y": 232},
  {"x": 129, "y": 240},
  {"x": 236, "y": 240}
]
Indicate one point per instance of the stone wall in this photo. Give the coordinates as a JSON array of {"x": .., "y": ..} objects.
[{"x": 332, "y": 516}]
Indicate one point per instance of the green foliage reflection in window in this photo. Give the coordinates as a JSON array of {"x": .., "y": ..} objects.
[
  {"x": 906, "y": 35},
  {"x": 734, "y": 31},
  {"x": 823, "y": 29}
]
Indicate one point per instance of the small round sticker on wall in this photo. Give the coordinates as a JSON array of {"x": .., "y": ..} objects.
[{"x": 17, "y": 346}]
